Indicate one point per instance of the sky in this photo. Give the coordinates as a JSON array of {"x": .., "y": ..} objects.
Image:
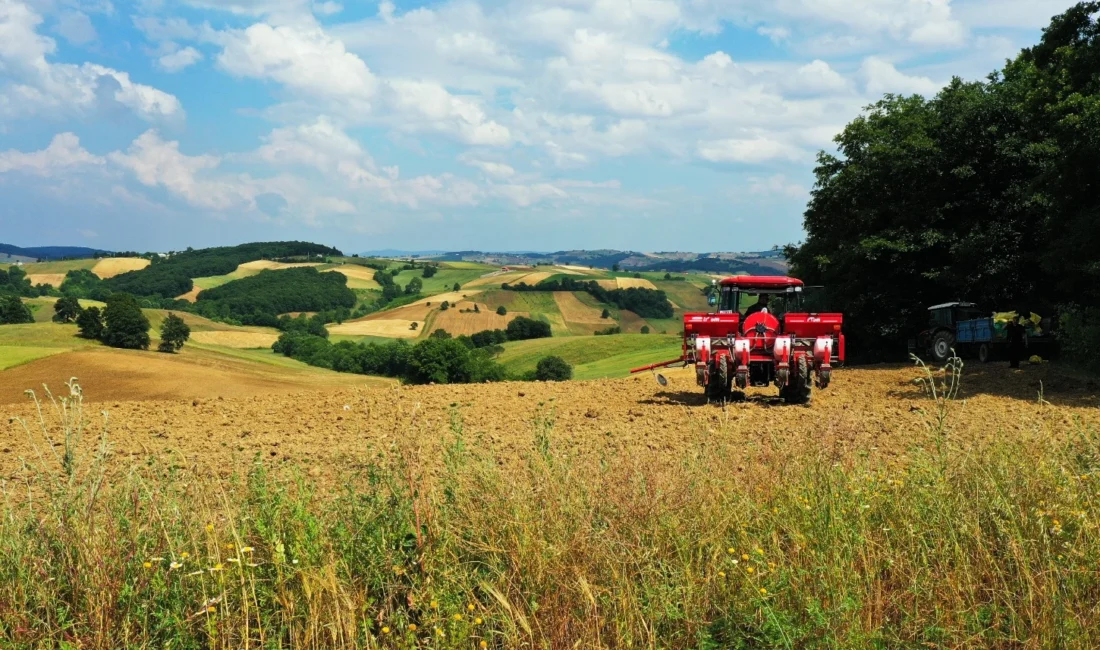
[{"x": 648, "y": 125}]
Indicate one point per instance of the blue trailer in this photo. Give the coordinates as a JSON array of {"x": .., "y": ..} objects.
[{"x": 955, "y": 326}]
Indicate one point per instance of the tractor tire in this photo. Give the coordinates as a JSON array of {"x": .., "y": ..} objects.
[
  {"x": 984, "y": 353},
  {"x": 800, "y": 390},
  {"x": 717, "y": 388},
  {"x": 942, "y": 343}
]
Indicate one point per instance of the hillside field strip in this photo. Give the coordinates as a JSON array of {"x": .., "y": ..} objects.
[
  {"x": 359, "y": 277},
  {"x": 634, "y": 283},
  {"x": 52, "y": 279},
  {"x": 239, "y": 340},
  {"x": 389, "y": 328},
  {"x": 575, "y": 311},
  {"x": 109, "y": 267},
  {"x": 268, "y": 265},
  {"x": 455, "y": 322}
]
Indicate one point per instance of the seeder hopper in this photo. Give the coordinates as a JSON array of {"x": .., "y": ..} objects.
[{"x": 772, "y": 341}]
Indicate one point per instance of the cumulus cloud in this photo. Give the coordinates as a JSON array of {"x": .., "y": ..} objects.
[
  {"x": 179, "y": 60},
  {"x": 76, "y": 27},
  {"x": 62, "y": 155},
  {"x": 33, "y": 86},
  {"x": 751, "y": 150},
  {"x": 880, "y": 76}
]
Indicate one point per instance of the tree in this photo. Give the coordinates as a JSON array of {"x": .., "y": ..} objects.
[
  {"x": 457, "y": 287},
  {"x": 645, "y": 329},
  {"x": 605, "y": 314},
  {"x": 124, "y": 324},
  {"x": 477, "y": 310},
  {"x": 553, "y": 369},
  {"x": 415, "y": 286},
  {"x": 445, "y": 306},
  {"x": 430, "y": 271},
  {"x": 173, "y": 334},
  {"x": 615, "y": 268},
  {"x": 90, "y": 323},
  {"x": 13, "y": 311},
  {"x": 66, "y": 310},
  {"x": 502, "y": 310},
  {"x": 668, "y": 276}
]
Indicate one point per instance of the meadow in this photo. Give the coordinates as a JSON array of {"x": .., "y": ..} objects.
[{"x": 611, "y": 514}]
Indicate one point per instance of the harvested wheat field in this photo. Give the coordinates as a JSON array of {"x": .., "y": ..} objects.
[
  {"x": 384, "y": 327},
  {"x": 534, "y": 278},
  {"x": 192, "y": 295},
  {"x": 238, "y": 340},
  {"x": 495, "y": 279},
  {"x": 634, "y": 283},
  {"x": 267, "y": 265},
  {"x": 359, "y": 277},
  {"x": 52, "y": 279},
  {"x": 457, "y": 323},
  {"x": 575, "y": 311},
  {"x": 112, "y": 266}
]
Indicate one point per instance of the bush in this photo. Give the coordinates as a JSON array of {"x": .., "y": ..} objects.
[
  {"x": 124, "y": 324},
  {"x": 502, "y": 310},
  {"x": 173, "y": 334},
  {"x": 430, "y": 271},
  {"x": 13, "y": 311},
  {"x": 457, "y": 287},
  {"x": 610, "y": 331},
  {"x": 66, "y": 310},
  {"x": 445, "y": 306},
  {"x": 553, "y": 369},
  {"x": 523, "y": 329},
  {"x": 90, "y": 323},
  {"x": 645, "y": 329},
  {"x": 605, "y": 314}
]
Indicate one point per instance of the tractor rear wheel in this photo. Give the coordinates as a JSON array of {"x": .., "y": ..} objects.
[
  {"x": 799, "y": 391},
  {"x": 983, "y": 352},
  {"x": 942, "y": 343},
  {"x": 718, "y": 387}
]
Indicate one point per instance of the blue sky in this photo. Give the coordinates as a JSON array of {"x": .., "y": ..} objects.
[{"x": 461, "y": 124}]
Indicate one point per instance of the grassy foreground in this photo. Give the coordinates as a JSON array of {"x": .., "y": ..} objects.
[{"x": 962, "y": 544}]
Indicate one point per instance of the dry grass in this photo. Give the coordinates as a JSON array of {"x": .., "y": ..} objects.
[
  {"x": 359, "y": 277},
  {"x": 527, "y": 516},
  {"x": 112, "y": 266},
  {"x": 534, "y": 278},
  {"x": 457, "y": 323},
  {"x": 267, "y": 265},
  {"x": 575, "y": 311},
  {"x": 383, "y": 327},
  {"x": 238, "y": 340},
  {"x": 192, "y": 295},
  {"x": 495, "y": 279},
  {"x": 634, "y": 283},
  {"x": 52, "y": 279}
]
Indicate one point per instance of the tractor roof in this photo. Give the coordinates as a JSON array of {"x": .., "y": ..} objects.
[
  {"x": 774, "y": 282},
  {"x": 951, "y": 304}
]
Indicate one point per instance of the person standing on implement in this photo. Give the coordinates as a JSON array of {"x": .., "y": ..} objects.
[{"x": 1017, "y": 342}]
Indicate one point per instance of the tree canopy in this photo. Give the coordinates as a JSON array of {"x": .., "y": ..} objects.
[{"x": 987, "y": 192}]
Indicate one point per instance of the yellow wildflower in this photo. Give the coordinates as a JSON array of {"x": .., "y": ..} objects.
[
  {"x": 385, "y": 630},
  {"x": 745, "y": 556},
  {"x": 412, "y": 627},
  {"x": 478, "y": 621},
  {"x": 148, "y": 565},
  {"x": 470, "y": 607},
  {"x": 763, "y": 591},
  {"x": 457, "y": 617}
]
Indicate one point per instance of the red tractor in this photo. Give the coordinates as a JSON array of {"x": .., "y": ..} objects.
[{"x": 773, "y": 342}]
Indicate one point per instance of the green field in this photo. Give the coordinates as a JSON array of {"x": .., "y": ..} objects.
[
  {"x": 443, "y": 281},
  {"x": 592, "y": 356},
  {"x": 17, "y": 355}
]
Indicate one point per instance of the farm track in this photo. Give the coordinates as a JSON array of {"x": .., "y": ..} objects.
[{"x": 331, "y": 430}]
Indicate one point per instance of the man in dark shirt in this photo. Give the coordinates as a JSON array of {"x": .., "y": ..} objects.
[
  {"x": 761, "y": 303},
  {"x": 1017, "y": 342}
]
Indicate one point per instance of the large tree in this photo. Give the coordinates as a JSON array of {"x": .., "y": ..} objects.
[
  {"x": 125, "y": 326},
  {"x": 986, "y": 192}
]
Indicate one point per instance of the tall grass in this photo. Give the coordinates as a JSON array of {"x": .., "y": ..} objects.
[{"x": 790, "y": 545}]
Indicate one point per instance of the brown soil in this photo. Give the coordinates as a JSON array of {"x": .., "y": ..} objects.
[{"x": 875, "y": 411}]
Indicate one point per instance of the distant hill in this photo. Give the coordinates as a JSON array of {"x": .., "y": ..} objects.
[
  {"x": 753, "y": 263},
  {"x": 49, "y": 252}
]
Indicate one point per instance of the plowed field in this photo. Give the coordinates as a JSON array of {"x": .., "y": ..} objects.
[{"x": 873, "y": 412}]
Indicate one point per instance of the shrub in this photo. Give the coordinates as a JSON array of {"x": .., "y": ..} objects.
[
  {"x": 523, "y": 329},
  {"x": 445, "y": 306},
  {"x": 645, "y": 329},
  {"x": 90, "y": 323},
  {"x": 66, "y": 310},
  {"x": 610, "y": 331},
  {"x": 173, "y": 334},
  {"x": 430, "y": 271},
  {"x": 605, "y": 314},
  {"x": 124, "y": 324},
  {"x": 457, "y": 287},
  {"x": 13, "y": 311},
  {"x": 502, "y": 310},
  {"x": 553, "y": 369}
]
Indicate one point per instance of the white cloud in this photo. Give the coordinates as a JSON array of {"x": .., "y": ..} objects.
[
  {"x": 327, "y": 8},
  {"x": 421, "y": 105},
  {"x": 776, "y": 34},
  {"x": 63, "y": 154},
  {"x": 180, "y": 59},
  {"x": 76, "y": 27},
  {"x": 159, "y": 163},
  {"x": 31, "y": 85},
  {"x": 882, "y": 77},
  {"x": 304, "y": 59},
  {"x": 494, "y": 169},
  {"x": 753, "y": 150},
  {"x": 776, "y": 185},
  {"x": 527, "y": 195},
  {"x": 320, "y": 144}
]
